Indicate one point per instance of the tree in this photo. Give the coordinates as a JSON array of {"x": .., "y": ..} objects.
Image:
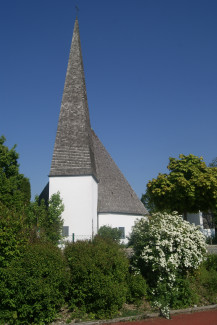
[
  {"x": 108, "y": 232},
  {"x": 189, "y": 187},
  {"x": 15, "y": 201},
  {"x": 14, "y": 187},
  {"x": 211, "y": 216},
  {"x": 13, "y": 235},
  {"x": 213, "y": 163},
  {"x": 45, "y": 219}
]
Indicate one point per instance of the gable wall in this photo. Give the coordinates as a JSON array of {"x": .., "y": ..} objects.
[
  {"x": 79, "y": 195},
  {"x": 116, "y": 220},
  {"x": 195, "y": 218}
]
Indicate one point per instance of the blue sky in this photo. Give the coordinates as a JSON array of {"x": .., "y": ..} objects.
[{"x": 151, "y": 77}]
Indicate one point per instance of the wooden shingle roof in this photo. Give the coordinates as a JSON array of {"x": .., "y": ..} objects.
[
  {"x": 115, "y": 194},
  {"x": 73, "y": 149},
  {"x": 78, "y": 151}
]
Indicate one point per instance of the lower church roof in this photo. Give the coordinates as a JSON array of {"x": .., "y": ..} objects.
[{"x": 115, "y": 195}]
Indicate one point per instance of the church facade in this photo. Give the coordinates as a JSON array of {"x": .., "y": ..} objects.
[{"x": 92, "y": 187}]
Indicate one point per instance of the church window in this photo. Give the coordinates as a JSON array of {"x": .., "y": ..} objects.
[
  {"x": 65, "y": 231},
  {"x": 122, "y": 229}
]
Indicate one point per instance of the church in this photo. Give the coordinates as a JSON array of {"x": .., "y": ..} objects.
[{"x": 93, "y": 189}]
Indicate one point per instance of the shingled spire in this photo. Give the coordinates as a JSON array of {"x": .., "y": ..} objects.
[{"x": 73, "y": 150}]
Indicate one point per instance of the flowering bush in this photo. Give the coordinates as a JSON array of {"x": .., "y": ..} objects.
[{"x": 166, "y": 249}]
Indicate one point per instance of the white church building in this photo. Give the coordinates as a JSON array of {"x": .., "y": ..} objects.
[{"x": 93, "y": 189}]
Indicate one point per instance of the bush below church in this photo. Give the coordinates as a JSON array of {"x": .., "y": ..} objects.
[
  {"x": 33, "y": 286},
  {"x": 99, "y": 272},
  {"x": 137, "y": 288}
]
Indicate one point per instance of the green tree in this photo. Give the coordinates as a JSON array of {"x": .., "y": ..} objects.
[
  {"x": 14, "y": 187},
  {"x": 45, "y": 219},
  {"x": 190, "y": 186},
  {"x": 213, "y": 163},
  {"x": 110, "y": 233},
  {"x": 42, "y": 220},
  {"x": 14, "y": 203},
  {"x": 13, "y": 235}
]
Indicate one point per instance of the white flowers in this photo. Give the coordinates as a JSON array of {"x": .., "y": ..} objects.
[
  {"x": 168, "y": 245},
  {"x": 171, "y": 243}
]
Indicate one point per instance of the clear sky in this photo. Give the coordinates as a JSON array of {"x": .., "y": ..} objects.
[{"x": 151, "y": 77}]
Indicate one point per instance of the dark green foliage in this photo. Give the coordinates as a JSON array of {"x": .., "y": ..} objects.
[
  {"x": 137, "y": 288},
  {"x": 138, "y": 241},
  {"x": 45, "y": 219},
  {"x": 205, "y": 280},
  {"x": 98, "y": 276},
  {"x": 183, "y": 296},
  {"x": 33, "y": 286},
  {"x": 211, "y": 262},
  {"x": 14, "y": 187},
  {"x": 13, "y": 235},
  {"x": 148, "y": 202},
  {"x": 14, "y": 201},
  {"x": 213, "y": 163},
  {"x": 208, "y": 281},
  {"x": 198, "y": 288},
  {"x": 107, "y": 232}
]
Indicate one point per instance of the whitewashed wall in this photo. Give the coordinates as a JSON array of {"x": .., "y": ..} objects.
[
  {"x": 209, "y": 232},
  {"x": 195, "y": 218},
  {"x": 80, "y": 196},
  {"x": 118, "y": 220}
]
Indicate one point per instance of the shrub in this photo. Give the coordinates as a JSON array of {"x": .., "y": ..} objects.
[
  {"x": 166, "y": 249},
  {"x": 98, "y": 276},
  {"x": 205, "y": 280},
  {"x": 183, "y": 294},
  {"x": 15, "y": 191},
  {"x": 208, "y": 282},
  {"x": 13, "y": 235},
  {"x": 33, "y": 286},
  {"x": 108, "y": 232},
  {"x": 137, "y": 288},
  {"x": 211, "y": 263}
]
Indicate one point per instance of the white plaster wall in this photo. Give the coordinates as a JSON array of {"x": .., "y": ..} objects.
[
  {"x": 80, "y": 196},
  {"x": 118, "y": 220},
  {"x": 209, "y": 232},
  {"x": 195, "y": 218}
]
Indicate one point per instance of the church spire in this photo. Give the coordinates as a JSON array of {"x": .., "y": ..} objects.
[{"x": 73, "y": 150}]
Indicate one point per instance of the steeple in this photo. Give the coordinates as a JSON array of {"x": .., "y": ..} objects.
[{"x": 73, "y": 150}]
